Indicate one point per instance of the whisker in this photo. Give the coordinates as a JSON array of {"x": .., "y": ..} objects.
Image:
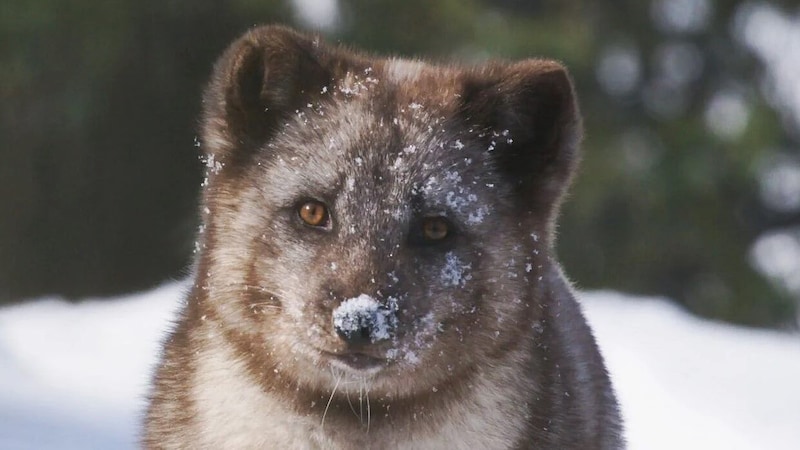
[
  {"x": 335, "y": 387},
  {"x": 360, "y": 404},
  {"x": 352, "y": 408},
  {"x": 263, "y": 305},
  {"x": 369, "y": 415}
]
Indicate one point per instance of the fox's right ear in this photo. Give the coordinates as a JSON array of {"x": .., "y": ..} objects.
[{"x": 262, "y": 77}]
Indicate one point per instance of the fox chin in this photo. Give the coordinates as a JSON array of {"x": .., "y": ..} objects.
[{"x": 375, "y": 268}]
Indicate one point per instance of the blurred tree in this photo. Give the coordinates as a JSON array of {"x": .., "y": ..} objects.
[
  {"x": 100, "y": 101},
  {"x": 99, "y": 105},
  {"x": 676, "y": 126}
]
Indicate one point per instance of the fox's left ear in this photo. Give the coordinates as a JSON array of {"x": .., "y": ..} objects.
[
  {"x": 261, "y": 79},
  {"x": 532, "y": 123}
]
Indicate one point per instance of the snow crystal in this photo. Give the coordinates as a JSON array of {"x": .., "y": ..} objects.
[
  {"x": 452, "y": 176},
  {"x": 430, "y": 185},
  {"x": 411, "y": 358},
  {"x": 365, "y": 312},
  {"x": 352, "y": 85},
  {"x": 458, "y": 145},
  {"x": 454, "y": 201},
  {"x": 398, "y": 164},
  {"x": 477, "y": 216},
  {"x": 397, "y": 213},
  {"x": 455, "y": 272},
  {"x": 407, "y": 352},
  {"x": 213, "y": 165}
]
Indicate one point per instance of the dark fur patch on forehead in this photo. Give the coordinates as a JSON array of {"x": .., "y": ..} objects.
[{"x": 327, "y": 149}]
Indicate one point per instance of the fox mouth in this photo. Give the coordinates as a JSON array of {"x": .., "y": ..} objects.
[{"x": 356, "y": 360}]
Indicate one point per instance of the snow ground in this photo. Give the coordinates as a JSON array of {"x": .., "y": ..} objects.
[{"x": 73, "y": 376}]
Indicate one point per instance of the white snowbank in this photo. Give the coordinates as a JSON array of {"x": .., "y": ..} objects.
[
  {"x": 687, "y": 383},
  {"x": 74, "y": 376}
]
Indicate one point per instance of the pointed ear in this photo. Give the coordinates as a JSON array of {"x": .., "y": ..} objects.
[
  {"x": 262, "y": 77},
  {"x": 529, "y": 112}
]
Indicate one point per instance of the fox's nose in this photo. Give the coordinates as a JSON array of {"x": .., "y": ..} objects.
[
  {"x": 355, "y": 336},
  {"x": 363, "y": 320}
]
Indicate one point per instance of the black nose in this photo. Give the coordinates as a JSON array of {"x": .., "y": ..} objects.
[
  {"x": 355, "y": 335},
  {"x": 363, "y": 320}
]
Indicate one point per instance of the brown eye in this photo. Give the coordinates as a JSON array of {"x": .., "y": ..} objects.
[
  {"x": 435, "y": 228},
  {"x": 314, "y": 213}
]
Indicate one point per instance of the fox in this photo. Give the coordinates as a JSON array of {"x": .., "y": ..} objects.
[{"x": 375, "y": 267}]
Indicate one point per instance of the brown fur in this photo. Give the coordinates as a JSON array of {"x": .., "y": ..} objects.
[{"x": 491, "y": 350}]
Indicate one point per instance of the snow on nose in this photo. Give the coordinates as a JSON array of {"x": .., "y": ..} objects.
[{"x": 363, "y": 319}]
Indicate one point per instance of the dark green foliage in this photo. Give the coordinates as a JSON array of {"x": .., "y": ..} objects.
[{"x": 100, "y": 174}]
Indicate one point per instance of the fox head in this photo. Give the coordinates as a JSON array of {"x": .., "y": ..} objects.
[{"x": 372, "y": 218}]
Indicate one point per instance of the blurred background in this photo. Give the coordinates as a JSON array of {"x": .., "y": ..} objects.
[{"x": 690, "y": 185}]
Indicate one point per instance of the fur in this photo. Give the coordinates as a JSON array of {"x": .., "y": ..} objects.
[{"x": 490, "y": 350}]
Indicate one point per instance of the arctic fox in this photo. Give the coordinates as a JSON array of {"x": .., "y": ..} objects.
[{"x": 375, "y": 268}]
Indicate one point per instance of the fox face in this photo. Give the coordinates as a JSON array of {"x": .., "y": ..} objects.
[
  {"x": 376, "y": 254},
  {"x": 378, "y": 219}
]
